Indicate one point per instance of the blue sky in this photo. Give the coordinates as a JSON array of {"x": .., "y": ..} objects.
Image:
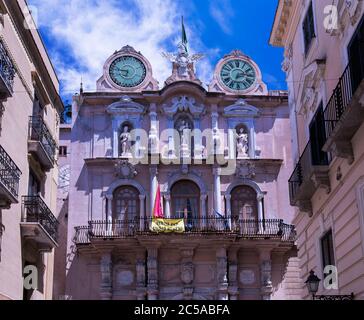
[{"x": 81, "y": 34}]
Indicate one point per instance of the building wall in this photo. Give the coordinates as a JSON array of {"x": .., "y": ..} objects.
[
  {"x": 14, "y": 139},
  {"x": 91, "y": 140},
  {"x": 341, "y": 209}
]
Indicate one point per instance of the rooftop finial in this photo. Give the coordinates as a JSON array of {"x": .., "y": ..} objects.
[{"x": 81, "y": 86}]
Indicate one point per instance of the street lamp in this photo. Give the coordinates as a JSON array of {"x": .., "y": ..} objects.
[{"x": 312, "y": 284}]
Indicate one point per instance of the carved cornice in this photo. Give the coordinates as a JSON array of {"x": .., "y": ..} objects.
[
  {"x": 279, "y": 30},
  {"x": 241, "y": 109},
  {"x": 126, "y": 106}
]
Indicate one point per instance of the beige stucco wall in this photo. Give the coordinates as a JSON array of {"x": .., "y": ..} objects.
[
  {"x": 342, "y": 209},
  {"x": 14, "y": 139}
]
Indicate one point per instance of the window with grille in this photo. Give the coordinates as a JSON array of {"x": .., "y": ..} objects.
[
  {"x": 309, "y": 28},
  {"x": 185, "y": 200},
  {"x": 244, "y": 203},
  {"x": 126, "y": 204}
]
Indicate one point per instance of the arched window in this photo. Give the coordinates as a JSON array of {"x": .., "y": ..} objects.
[
  {"x": 125, "y": 203},
  {"x": 185, "y": 201},
  {"x": 244, "y": 203}
]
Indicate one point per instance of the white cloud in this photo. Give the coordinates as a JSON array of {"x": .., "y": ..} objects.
[
  {"x": 222, "y": 12},
  {"x": 90, "y": 31}
]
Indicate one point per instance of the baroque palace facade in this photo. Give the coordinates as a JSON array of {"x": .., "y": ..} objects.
[
  {"x": 29, "y": 127},
  {"x": 324, "y": 63},
  {"x": 221, "y": 158}
]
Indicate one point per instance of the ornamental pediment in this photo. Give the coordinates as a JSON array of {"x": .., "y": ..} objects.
[
  {"x": 184, "y": 104},
  {"x": 125, "y": 106},
  {"x": 241, "y": 109}
]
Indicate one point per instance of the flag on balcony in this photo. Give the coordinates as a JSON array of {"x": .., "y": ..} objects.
[
  {"x": 158, "y": 208},
  {"x": 159, "y": 223}
]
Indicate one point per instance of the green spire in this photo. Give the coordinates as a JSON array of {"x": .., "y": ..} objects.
[{"x": 184, "y": 36}]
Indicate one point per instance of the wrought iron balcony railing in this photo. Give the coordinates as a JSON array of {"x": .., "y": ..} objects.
[
  {"x": 38, "y": 131},
  {"x": 310, "y": 160},
  {"x": 258, "y": 229},
  {"x": 36, "y": 211},
  {"x": 342, "y": 96},
  {"x": 9, "y": 173},
  {"x": 7, "y": 70}
]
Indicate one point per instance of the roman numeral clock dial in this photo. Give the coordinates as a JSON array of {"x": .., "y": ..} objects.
[
  {"x": 127, "y": 71},
  {"x": 238, "y": 75}
]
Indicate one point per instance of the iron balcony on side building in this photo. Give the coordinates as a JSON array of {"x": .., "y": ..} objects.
[
  {"x": 41, "y": 143},
  {"x": 7, "y": 73},
  {"x": 310, "y": 173},
  {"x": 9, "y": 180},
  {"x": 344, "y": 113},
  {"x": 249, "y": 229},
  {"x": 38, "y": 223}
]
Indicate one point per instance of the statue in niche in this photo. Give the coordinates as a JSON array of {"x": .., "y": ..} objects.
[
  {"x": 183, "y": 129},
  {"x": 242, "y": 144},
  {"x": 125, "y": 141}
]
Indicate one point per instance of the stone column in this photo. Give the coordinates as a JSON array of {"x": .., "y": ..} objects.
[
  {"x": 222, "y": 276},
  {"x": 228, "y": 210},
  {"x": 266, "y": 274},
  {"x": 203, "y": 199},
  {"x": 167, "y": 208},
  {"x": 106, "y": 276},
  {"x": 260, "y": 212},
  {"x": 142, "y": 217},
  {"x": 217, "y": 189},
  {"x": 233, "y": 274},
  {"x": 187, "y": 272},
  {"x": 140, "y": 274},
  {"x": 153, "y": 134},
  {"x": 109, "y": 214},
  {"x": 153, "y": 186},
  {"x": 152, "y": 263}
]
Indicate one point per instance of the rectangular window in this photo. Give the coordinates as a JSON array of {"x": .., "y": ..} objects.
[
  {"x": 308, "y": 28},
  {"x": 63, "y": 151},
  {"x": 34, "y": 185},
  {"x": 327, "y": 250},
  {"x": 318, "y": 138}
]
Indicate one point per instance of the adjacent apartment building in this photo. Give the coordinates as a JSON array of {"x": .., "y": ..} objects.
[
  {"x": 324, "y": 63},
  {"x": 29, "y": 120}
]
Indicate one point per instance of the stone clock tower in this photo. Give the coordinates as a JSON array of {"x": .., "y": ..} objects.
[{"x": 131, "y": 138}]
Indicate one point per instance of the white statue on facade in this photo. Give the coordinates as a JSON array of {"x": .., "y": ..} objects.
[
  {"x": 125, "y": 141},
  {"x": 242, "y": 144},
  {"x": 183, "y": 129}
]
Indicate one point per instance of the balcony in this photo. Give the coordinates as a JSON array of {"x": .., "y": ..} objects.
[
  {"x": 41, "y": 143},
  {"x": 9, "y": 180},
  {"x": 7, "y": 74},
  {"x": 38, "y": 223},
  {"x": 344, "y": 113},
  {"x": 310, "y": 173},
  {"x": 247, "y": 229}
]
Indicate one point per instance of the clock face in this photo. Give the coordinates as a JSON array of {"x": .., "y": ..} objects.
[
  {"x": 238, "y": 75},
  {"x": 127, "y": 71}
]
